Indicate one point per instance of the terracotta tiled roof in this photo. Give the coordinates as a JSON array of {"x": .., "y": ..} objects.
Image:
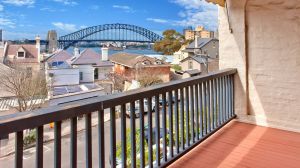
[
  {"x": 131, "y": 60},
  {"x": 30, "y": 57},
  {"x": 89, "y": 56}
]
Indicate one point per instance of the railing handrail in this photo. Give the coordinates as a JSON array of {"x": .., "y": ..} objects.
[{"x": 26, "y": 120}]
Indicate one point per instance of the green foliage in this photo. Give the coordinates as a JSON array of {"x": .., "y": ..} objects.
[
  {"x": 30, "y": 138},
  {"x": 177, "y": 67},
  {"x": 138, "y": 149},
  {"x": 172, "y": 42}
]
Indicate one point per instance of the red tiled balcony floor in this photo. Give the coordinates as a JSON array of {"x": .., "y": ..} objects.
[{"x": 245, "y": 145}]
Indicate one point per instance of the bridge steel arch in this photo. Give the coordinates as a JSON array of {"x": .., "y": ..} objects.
[{"x": 79, "y": 36}]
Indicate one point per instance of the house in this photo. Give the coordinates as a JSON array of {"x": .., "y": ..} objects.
[
  {"x": 92, "y": 66},
  {"x": 133, "y": 66},
  {"x": 194, "y": 65},
  {"x": 26, "y": 56},
  {"x": 200, "y": 46},
  {"x": 203, "y": 46}
]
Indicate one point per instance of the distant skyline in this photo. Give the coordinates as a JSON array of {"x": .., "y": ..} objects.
[{"x": 22, "y": 19}]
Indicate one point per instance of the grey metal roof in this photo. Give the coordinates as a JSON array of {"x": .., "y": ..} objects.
[
  {"x": 201, "y": 43},
  {"x": 193, "y": 71},
  {"x": 89, "y": 56}
]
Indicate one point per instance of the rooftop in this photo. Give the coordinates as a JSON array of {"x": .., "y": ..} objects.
[{"x": 31, "y": 55}]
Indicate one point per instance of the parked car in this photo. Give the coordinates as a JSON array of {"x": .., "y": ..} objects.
[{"x": 137, "y": 109}]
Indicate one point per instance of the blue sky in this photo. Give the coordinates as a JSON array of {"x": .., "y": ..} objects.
[{"x": 27, "y": 18}]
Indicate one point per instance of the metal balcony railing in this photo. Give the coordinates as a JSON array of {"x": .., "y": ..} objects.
[{"x": 185, "y": 113}]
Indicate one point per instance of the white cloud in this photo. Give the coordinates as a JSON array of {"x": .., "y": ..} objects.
[
  {"x": 48, "y": 9},
  {"x": 195, "y": 13},
  {"x": 157, "y": 20},
  {"x": 65, "y": 26},
  {"x": 7, "y": 23},
  {"x": 28, "y": 3},
  {"x": 125, "y": 8},
  {"x": 67, "y": 2},
  {"x": 1, "y": 8}
]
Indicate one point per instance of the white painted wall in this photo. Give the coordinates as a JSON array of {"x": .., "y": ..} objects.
[
  {"x": 267, "y": 84},
  {"x": 61, "y": 77},
  {"x": 88, "y": 73}
]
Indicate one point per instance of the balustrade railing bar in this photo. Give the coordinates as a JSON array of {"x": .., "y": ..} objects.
[
  {"x": 123, "y": 136},
  {"x": 39, "y": 146},
  {"x": 73, "y": 144},
  {"x": 57, "y": 144},
  {"x": 132, "y": 134},
  {"x": 101, "y": 141},
  {"x": 150, "y": 135},
  {"x": 164, "y": 127},
  {"x": 88, "y": 140},
  {"x": 142, "y": 136},
  {"x": 190, "y": 111},
  {"x": 177, "y": 143},
  {"x": 170, "y": 117},
  {"x": 19, "y": 149}
]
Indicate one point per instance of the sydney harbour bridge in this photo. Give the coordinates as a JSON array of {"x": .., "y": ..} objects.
[{"x": 107, "y": 33}]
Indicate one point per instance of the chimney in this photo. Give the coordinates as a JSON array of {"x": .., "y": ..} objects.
[
  {"x": 38, "y": 46},
  {"x": 76, "y": 52},
  {"x": 104, "y": 54},
  {"x": 196, "y": 41}
]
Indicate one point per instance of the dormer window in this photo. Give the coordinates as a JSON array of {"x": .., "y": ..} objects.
[
  {"x": 158, "y": 62},
  {"x": 21, "y": 54},
  {"x": 146, "y": 63}
]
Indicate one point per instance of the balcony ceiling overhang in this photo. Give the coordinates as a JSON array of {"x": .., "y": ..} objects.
[{"x": 218, "y": 2}]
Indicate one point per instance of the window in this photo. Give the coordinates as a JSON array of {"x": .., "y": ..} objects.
[
  {"x": 190, "y": 64},
  {"x": 96, "y": 74},
  {"x": 81, "y": 76},
  {"x": 21, "y": 54}
]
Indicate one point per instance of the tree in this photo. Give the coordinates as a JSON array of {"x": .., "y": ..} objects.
[
  {"x": 147, "y": 78},
  {"x": 172, "y": 42},
  {"x": 29, "y": 90},
  {"x": 118, "y": 81}
]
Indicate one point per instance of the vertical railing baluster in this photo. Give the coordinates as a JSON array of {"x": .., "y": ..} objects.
[
  {"x": 157, "y": 131},
  {"x": 113, "y": 137},
  {"x": 215, "y": 104},
  {"x": 182, "y": 117},
  {"x": 170, "y": 110},
  {"x": 209, "y": 105},
  {"x": 224, "y": 100},
  {"x": 228, "y": 96},
  {"x": 142, "y": 144},
  {"x": 39, "y": 146},
  {"x": 192, "y": 122},
  {"x": 187, "y": 111},
  {"x": 150, "y": 151},
  {"x": 123, "y": 135},
  {"x": 57, "y": 144},
  {"x": 19, "y": 149},
  {"x": 205, "y": 107},
  {"x": 176, "y": 122},
  {"x": 132, "y": 134},
  {"x": 101, "y": 138},
  {"x": 73, "y": 145},
  {"x": 201, "y": 108},
  {"x": 88, "y": 140},
  {"x": 197, "y": 110},
  {"x": 221, "y": 100},
  {"x": 218, "y": 102},
  {"x": 164, "y": 127},
  {"x": 232, "y": 95}
]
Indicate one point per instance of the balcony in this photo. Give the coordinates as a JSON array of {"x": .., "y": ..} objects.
[
  {"x": 198, "y": 113},
  {"x": 189, "y": 111}
]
